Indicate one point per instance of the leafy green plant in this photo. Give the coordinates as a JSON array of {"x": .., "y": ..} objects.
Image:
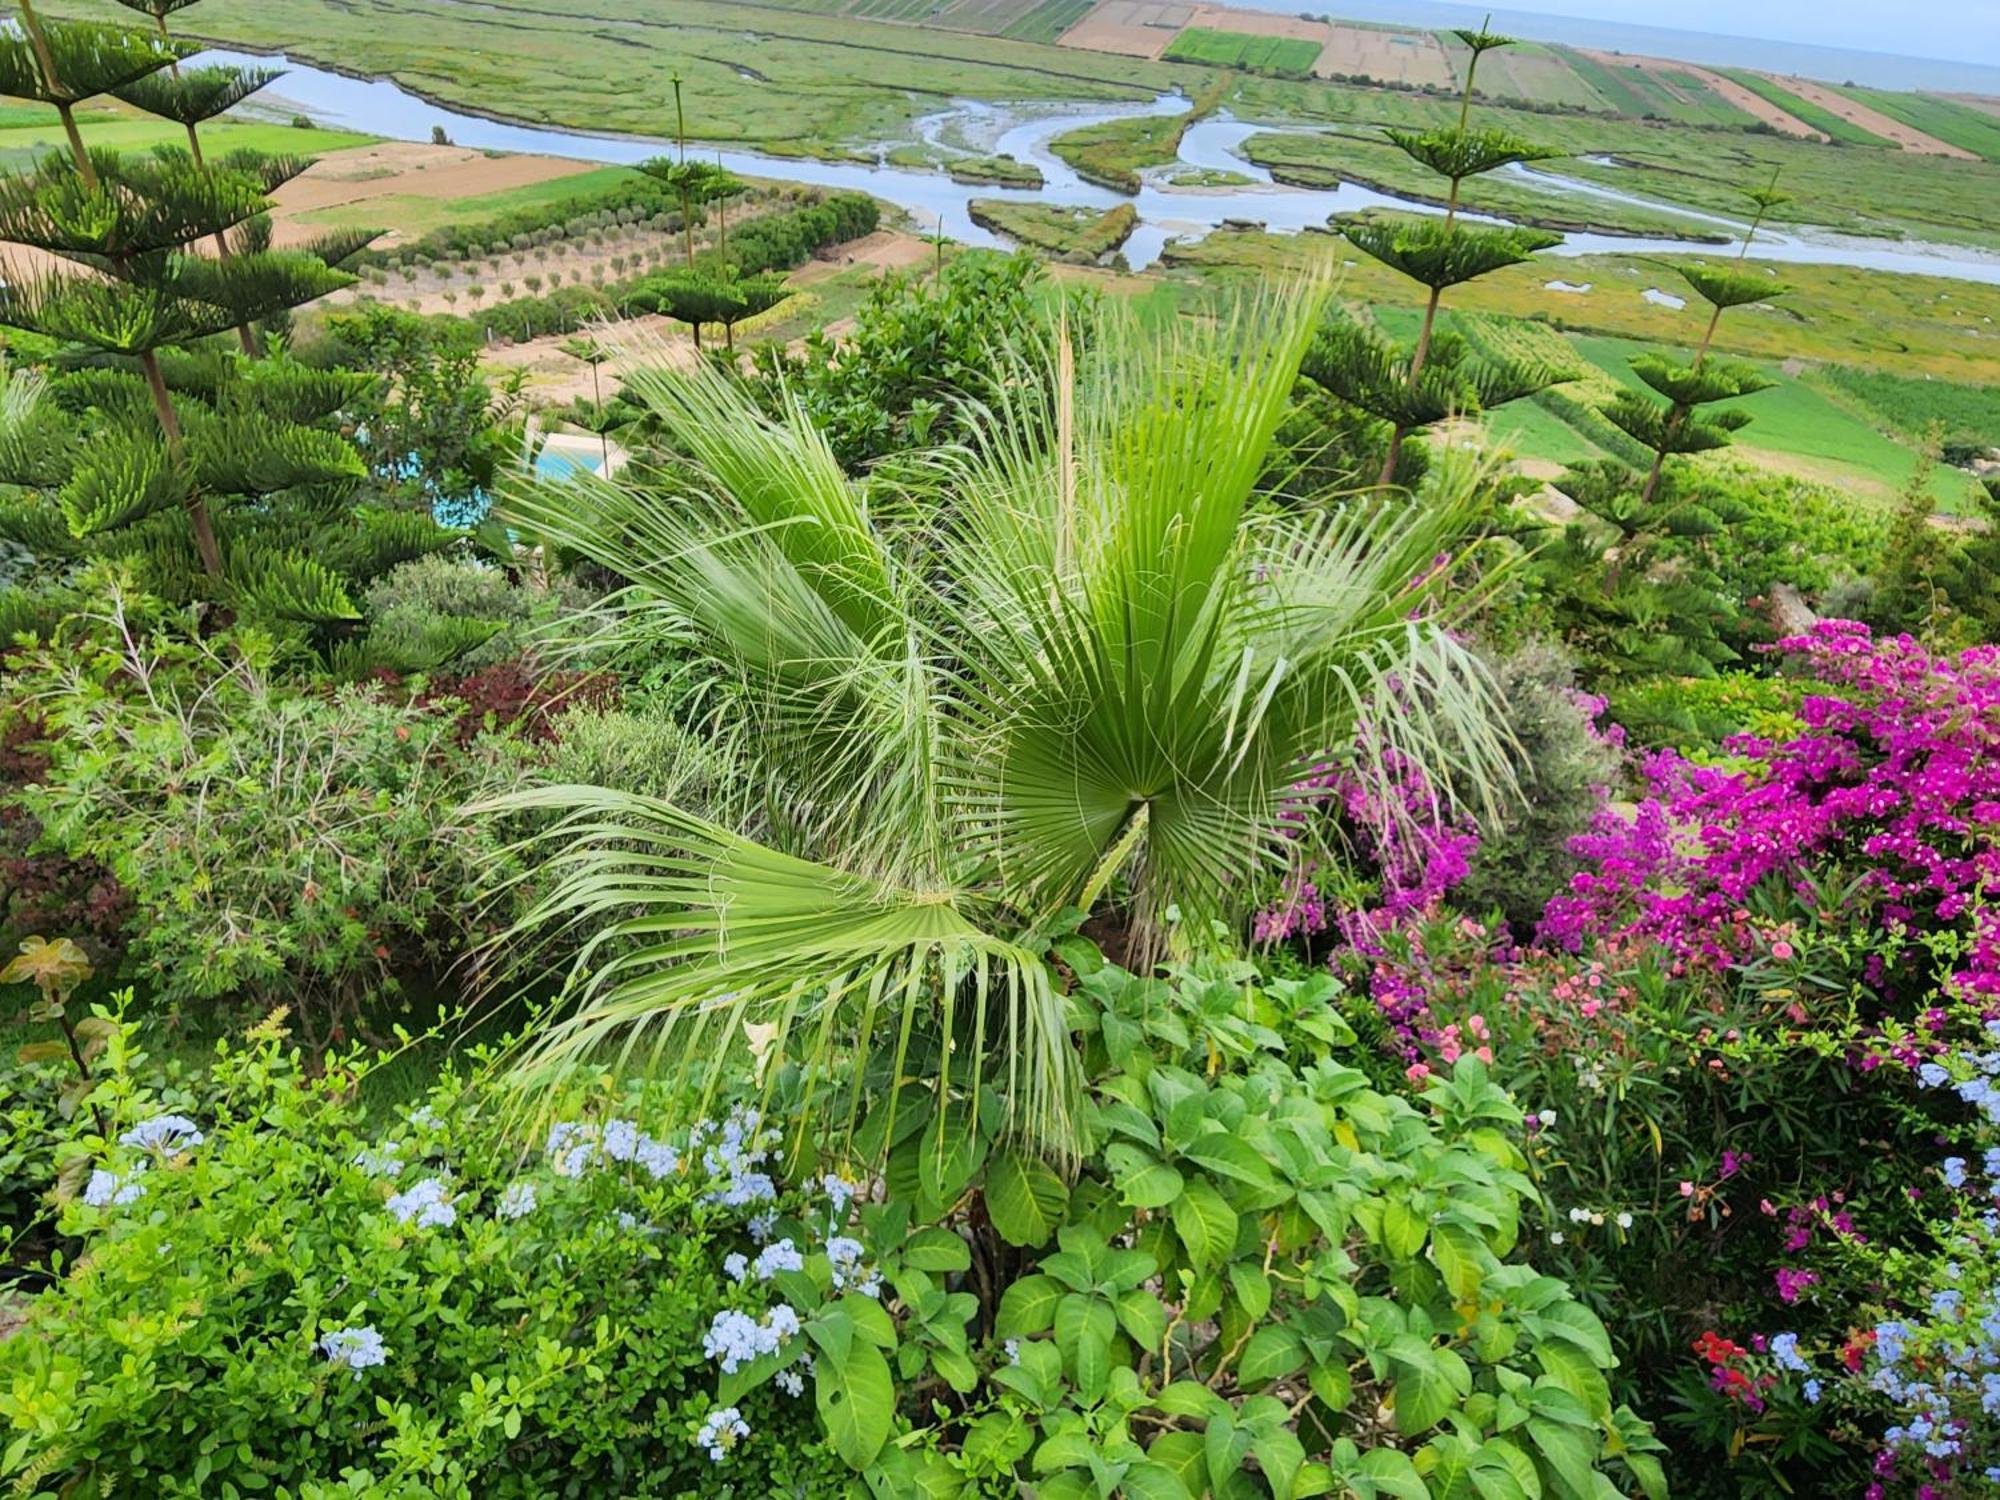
[
  {"x": 1099, "y": 665},
  {"x": 273, "y": 842}
]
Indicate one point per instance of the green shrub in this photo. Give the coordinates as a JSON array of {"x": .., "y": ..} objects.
[
  {"x": 279, "y": 1302},
  {"x": 299, "y": 846},
  {"x": 408, "y": 604},
  {"x": 1264, "y": 1279},
  {"x": 1565, "y": 769}
]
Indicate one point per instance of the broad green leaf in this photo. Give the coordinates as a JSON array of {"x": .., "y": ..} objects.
[
  {"x": 936, "y": 1250},
  {"x": 1142, "y": 1316},
  {"x": 1280, "y": 1455},
  {"x": 1153, "y": 1481},
  {"x": 1252, "y": 1288},
  {"x": 1229, "y": 1155},
  {"x": 1189, "y": 1398},
  {"x": 1394, "y": 1474},
  {"x": 1646, "y": 1469},
  {"x": 1271, "y": 1354},
  {"x": 1422, "y": 1392},
  {"x": 1403, "y": 1230},
  {"x": 950, "y": 1151},
  {"x": 857, "y": 1403},
  {"x": 1025, "y": 1198},
  {"x": 1569, "y": 1452},
  {"x": 1027, "y": 1307},
  {"x": 1205, "y": 1223},
  {"x": 1461, "y": 1259},
  {"x": 1570, "y": 1368},
  {"x": 1144, "y": 1181}
]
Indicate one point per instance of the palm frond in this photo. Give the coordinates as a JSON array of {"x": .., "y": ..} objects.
[{"x": 689, "y": 930}]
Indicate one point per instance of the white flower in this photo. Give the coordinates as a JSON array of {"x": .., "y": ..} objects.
[
  {"x": 380, "y": 1161},
  {"x": 1546, "y": 1118},
  {"x": 517, "y": 1202},
  {"x": 109, "y": 1190},
  {"x": 1013, "y": 1348},
  {"x": 164, "y": 1133},
  {"x": 357, "y": 1348},
  {"x": 427, "y": 1205},
  {"x": 1579, "y": 1215},
  {"x": 1625, "y": 1221},
  {"x": 1556, "y": 1238},
  {"x": 721, "y": 1432}
]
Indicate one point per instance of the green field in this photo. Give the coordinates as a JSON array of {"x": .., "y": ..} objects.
[
  {"x": 1807, "y": 112},
  {"x": 414, "y": 214},
  {"x": 823, "y": 85},
  {"x": 1795, "y": 427},
  {"x": 1910, "y": 406},
  {"x": 1285, "y": 56},
  {"x": 1953, "y": 123},
  {"x": 21, "y": 142},
  {"x": 1637, "y": 91},
  {"x": 1076, "y": 234}
]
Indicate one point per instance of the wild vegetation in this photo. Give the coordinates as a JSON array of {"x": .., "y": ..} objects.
[{"x": 1010, "y": 878}]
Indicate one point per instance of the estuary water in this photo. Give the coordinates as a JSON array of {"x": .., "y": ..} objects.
[{"x": 1167, "y": 210}]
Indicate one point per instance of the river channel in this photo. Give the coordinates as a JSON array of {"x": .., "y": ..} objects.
[{"x": 1167, "y": 210}]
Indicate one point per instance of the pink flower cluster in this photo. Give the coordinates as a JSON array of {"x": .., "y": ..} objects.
[{"x": 1895, "y": 777}]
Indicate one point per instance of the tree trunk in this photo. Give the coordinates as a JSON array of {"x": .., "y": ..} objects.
[
  {"x": 1395, "y": 455},
  {"x": 76, "y": 146},
  {"x": 163, "y": 408},
  {"x": 1423, "y": 349}
]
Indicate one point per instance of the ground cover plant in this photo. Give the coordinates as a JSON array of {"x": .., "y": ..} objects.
[{"x": 1283, "y": 55}]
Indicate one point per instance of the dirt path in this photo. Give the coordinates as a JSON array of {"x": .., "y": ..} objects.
[
  {"x": 1871, "y": 120},
  {"x": 1748, "y": 100},
  {"x": 400, "y": 169},
  {"x": 885, "y": 250},
  {"x": 556, "y": 379}
]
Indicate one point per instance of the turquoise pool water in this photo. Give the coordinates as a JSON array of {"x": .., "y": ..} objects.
[{"x": 551, "y": 464}]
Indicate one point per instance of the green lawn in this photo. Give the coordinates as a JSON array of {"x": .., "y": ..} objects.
[{"x": 1796, "y": 424}]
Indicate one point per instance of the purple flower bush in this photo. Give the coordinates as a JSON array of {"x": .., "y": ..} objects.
[{"x": 1730, "y": 1037}]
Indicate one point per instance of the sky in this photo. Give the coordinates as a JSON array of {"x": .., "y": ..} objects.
[{"x": 1959, "y": 30}]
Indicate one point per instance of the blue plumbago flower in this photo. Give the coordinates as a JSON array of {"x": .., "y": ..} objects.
[
  {"x": 381, "y": 1161},
  {"x": 110, "y": 1190},
  {"x": 1013, "y": 1351},
  {"x": 791, "y": 1382},
  {"x": 1785, "y": 1350},
  {"x": 735, "y": 1338},
  {"x": 164, "y": 1133},
  {"x": 848, "y": 1272},
  {"x": 764, "y": 1225},
  {"x": 621, "y": 1140},
  {"x": 427, "y": 1205},
  {"x": 357, "y": 1348},
  {"x": 1993, "y": 1161},
  {"x": 775, "y": 1258},
  {"x": 1953, "y": 1170},
  {"x": 575, "y": 1146},
  {"x": 657, "y": 1158},
  {"x": 1812, "y": 1392},
  {"x": 839, "y": 1192},
  {"x": 517, "y": 1202},
  {"x": 735, "y": 1267},
  {"x": 1933, "y": 1075},
  {"x": 572, "y": 1148},
  {"x": 425, "y": 1118},
  {"x": 723, "y": 1430}
]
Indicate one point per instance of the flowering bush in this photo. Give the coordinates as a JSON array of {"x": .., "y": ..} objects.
[
  {"x": 281, "y": 1289},
  {"x": 1885, "y": 803}
]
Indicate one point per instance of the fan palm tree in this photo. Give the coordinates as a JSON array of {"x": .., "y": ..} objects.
[{"x": 1073, "y": 664}]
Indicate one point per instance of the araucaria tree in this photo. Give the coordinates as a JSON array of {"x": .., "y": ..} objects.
[
  {"x": 1082, "y": 670},
  {"x": 1436, "y": 377},
  {"x": 220, "y": 479},
  {"x": 1688, "y": 385}
]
